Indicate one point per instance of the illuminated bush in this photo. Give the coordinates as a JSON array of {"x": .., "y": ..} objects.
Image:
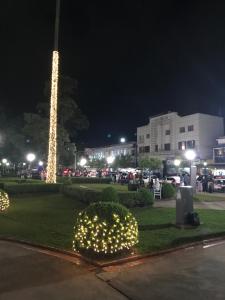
[
  {"x": 4, "y": 200},
  {"x": 105, "y": 227}
]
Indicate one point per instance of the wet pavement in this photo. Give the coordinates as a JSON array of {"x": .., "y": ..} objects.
[
  {"x": 193, "y": 273},
  {"x": 28, "y": 274}
]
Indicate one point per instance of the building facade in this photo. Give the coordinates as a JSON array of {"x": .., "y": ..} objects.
[
  {"x": 167, "y": 136},
  {"x": 112, "y": 150},
  {"x": 219, "y": 152}
]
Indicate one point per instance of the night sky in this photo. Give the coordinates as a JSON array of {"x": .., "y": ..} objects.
[{"x": 132, "y": 59}]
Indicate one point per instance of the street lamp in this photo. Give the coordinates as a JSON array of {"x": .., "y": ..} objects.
[
  {"x": 110, "y": 159},
  {"x": 31, "y": 157},
  {"x": 177, "y": 162},
  {"x": 83, "y": 162},
  {"x": 122, "y": 140},
  {"x": 191, "y": 155},
  {"x": 40, "y": 163},
  {"x": 4, "y": 160}
]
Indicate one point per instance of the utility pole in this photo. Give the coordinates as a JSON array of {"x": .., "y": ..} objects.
[{"x": 52, "y": 142}]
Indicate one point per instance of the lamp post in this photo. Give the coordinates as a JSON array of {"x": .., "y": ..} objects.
[
  {"x": 52, "y": 142},
  {"x": 190, "y": 156},
  {"x": 205, "y": 168},
  {"x": 177, "y": 162},
  {"x": 4, "y": 162},
  {"x": 83, "y": 162},
  {"x": 30, "y": 158}
]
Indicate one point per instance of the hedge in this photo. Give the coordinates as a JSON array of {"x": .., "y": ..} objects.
[
  {"x": 168, "y": 191},
  {"x": 22, "y": 188},
  {"x": 84, "y": 180},
  {"x": 85, "y": 195}
]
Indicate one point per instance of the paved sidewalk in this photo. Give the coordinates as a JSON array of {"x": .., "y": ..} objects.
[
  {"x": 194, "y": 273},
  {"x": 26, "y": 274}
]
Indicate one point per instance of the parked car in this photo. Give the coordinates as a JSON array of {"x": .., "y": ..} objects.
[
  {"x": 219, "y": 185},
  {"x": 173, "y": 180}
]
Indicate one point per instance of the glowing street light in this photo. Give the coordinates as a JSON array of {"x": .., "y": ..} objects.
[
  {"x": 110, "y": 159},
  {"x": 4, "y": 161},
  {"x": 190, "y": 155},
  {"x": 205, "y": 163},
  {"x": 83, "y": 162},
  {"x": 122, "y": 140},
  {"x": 40, "y": 163},
  {"x": 177, "y": 162},
  {"x": 31, "y": 157}
]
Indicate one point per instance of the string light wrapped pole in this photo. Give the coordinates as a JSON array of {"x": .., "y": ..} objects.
[{"x": 52, "y": 142}]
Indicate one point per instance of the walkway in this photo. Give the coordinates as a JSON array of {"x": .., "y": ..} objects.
[{"x": 194, "y": 273}]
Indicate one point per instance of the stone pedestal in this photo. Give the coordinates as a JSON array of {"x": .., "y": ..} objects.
[{"x": 184, "y": 204}]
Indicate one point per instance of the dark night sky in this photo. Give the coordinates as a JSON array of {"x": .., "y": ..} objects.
[{"x": 132, "y": 58}]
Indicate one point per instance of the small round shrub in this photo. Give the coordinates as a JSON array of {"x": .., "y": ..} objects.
[
  {"x": 4, "y": 200},
  {"x": 168, "y": 191},
  {"x": 105, "y": 228},
  {"x": 144, "y": 197},
  {"x": 110, "y": 194}
]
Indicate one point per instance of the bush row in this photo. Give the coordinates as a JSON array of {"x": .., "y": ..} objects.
[
  {"x": 15, "y": 188},
  {"x": 128, "y": 199},
  {"x": 168, "y": 191},
  {"x": 80, "y": 180}
]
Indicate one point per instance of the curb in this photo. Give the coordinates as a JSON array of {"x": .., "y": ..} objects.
[{"x": 115, "y": 262}]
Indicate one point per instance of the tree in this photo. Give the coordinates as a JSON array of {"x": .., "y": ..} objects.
[
  {"x": 150, "y": 163},
  {"x": 97, "y": 163},
  {"x": 70, "y": 121},
  {"x": 123, "y": 161},
  {"x": 70, "y": 116},
  {"x": 12, "y": 140}
]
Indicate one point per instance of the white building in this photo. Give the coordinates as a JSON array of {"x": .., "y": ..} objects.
[
  {"x": 219, "y": 151},
  {"x": 168, "y": 135},
  {"x": 112, "y": 150}
]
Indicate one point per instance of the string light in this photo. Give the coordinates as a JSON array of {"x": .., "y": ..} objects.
[
  {"x": 52, "y": 146},
  {"x": 4, "y": 200},
  {"x": 101, "y": 236}
]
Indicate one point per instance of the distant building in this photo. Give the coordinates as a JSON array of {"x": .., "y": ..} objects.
[
  {"x": 112, "y": 150},
  {"x": 167, "y": 136},
  {"x": 219, "y": 151}
]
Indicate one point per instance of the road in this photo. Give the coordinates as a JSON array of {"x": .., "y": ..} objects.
[{"x": 194, "y": 273}]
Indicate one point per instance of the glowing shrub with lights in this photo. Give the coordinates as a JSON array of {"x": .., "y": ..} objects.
[
  {"x": 105, "y": 228},
  {"x": 4, "y": 200}
]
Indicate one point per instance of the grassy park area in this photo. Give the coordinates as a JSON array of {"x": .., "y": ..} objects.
[{"x": 48, "y": 219}]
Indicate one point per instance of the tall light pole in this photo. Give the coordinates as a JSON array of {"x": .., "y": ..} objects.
[{"x": 52, "y": 142}]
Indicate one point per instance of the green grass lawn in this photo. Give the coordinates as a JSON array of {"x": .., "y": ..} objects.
[
  {"x": 209, "y": 197},
  {"x": 49, "y": 220}
]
